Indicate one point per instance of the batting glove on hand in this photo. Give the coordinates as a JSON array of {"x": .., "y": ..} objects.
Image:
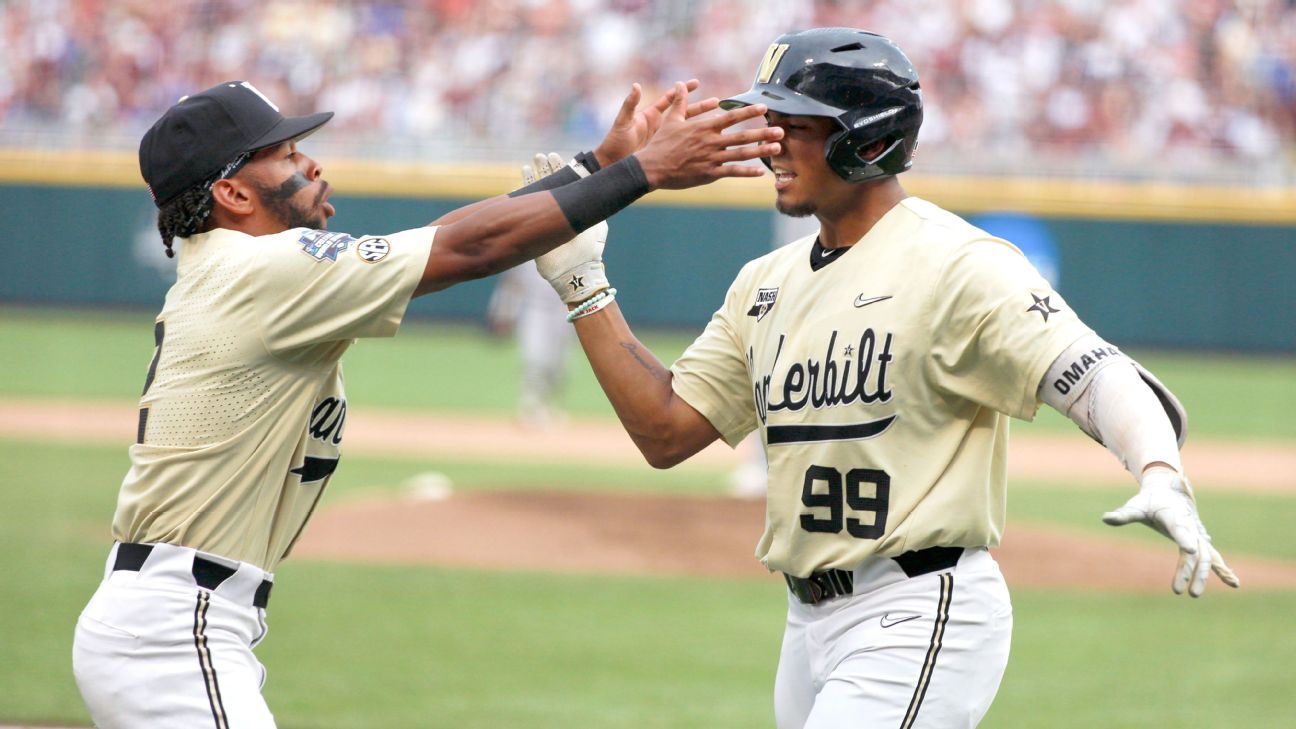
[
  {"x": 575, "y": 268},
  {"x": 1165, "y": 503}
]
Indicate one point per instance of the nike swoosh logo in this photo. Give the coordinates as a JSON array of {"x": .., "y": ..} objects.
[
  {"x": 888, "y": 623},
  {"x": 861, "y": 301}
]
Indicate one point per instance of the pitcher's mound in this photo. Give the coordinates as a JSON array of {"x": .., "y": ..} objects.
[{"x": 618, "y": 533}]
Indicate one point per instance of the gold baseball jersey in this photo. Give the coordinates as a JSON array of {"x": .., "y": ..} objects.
[
  {"x": 881, "y": 383},
  {"x": 243, "y": 411}
]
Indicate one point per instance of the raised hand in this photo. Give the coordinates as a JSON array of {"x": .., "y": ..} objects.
[
  {"x": 1165, "y": 503},
  {"x": 690, "y": 151},
  {"x": 575, "y": 268},
  {"x": 633, "y": 127}
]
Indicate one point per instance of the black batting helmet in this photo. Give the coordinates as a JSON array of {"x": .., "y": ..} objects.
[{"x": 860, "y": 79}]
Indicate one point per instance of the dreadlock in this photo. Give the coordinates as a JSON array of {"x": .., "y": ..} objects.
[
  {"x": 188, "y": 213},
  {"x": 184, "y": 216}
]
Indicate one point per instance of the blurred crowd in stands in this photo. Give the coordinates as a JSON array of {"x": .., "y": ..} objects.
[{"x": 1100, "y": 86}]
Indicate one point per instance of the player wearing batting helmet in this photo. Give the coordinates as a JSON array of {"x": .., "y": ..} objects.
[
  {"x": 243, "y": 412},
  {"x": 881, "y": 359}
]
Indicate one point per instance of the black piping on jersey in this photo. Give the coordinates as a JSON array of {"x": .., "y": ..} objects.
[
  {"x": 933, "y": 650},
  {"x": 820, "y": 256},
  {"x": 159, "y": 333},
  {"x": 205, "y": 661},
  {"x": 783, "y": 434}
]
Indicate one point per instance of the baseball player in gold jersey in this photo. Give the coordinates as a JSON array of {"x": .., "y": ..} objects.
[
  {"x": 243, "y": 412},
  {"x": 880, "y": 360}
]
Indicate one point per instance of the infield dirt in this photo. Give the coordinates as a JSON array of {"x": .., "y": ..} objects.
[
  {"x": 619, "y": 533},
  {"x": 641, "y": 533}
]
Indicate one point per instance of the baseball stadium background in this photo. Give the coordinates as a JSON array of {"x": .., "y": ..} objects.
[{"x": 466, "y": 572}]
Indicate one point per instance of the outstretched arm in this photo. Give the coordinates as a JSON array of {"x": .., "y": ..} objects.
[
  {"x": 683, "y": 153},
  {"x": 1123, "y": 407},
  {"x": 630, "y": 131}
]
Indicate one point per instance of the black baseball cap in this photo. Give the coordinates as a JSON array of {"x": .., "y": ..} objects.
[{"x": 195, "y": 139}]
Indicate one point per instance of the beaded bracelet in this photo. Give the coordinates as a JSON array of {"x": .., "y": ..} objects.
[
  {"x": 600, "y": 306},
  {"x": 592, "y": 305}
]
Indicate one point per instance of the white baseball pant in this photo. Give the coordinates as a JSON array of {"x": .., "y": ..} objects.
[
  {"x": 154, "y": 648},
  {"x": 899, "y": 652}
]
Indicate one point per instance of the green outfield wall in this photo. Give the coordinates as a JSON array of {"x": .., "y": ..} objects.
[{"x": 1147, "y": 265}]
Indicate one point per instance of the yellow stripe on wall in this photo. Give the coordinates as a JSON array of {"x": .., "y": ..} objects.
[{"x": 1047, "y": 197}]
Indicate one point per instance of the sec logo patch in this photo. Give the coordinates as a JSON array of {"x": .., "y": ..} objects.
[{"x": 373, "y": 250}]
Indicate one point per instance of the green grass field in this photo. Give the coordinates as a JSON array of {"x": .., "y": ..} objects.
[{"x": 365, "y": 646}]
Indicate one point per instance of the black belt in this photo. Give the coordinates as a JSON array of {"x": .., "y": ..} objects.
[
  {"x": 821, "y": 586},
  {"x": 207, "y": 574}
]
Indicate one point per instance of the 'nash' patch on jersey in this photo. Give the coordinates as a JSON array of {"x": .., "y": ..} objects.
[
  {"x": 321, "y": 244},
  {"x": 764, "y": 302}
]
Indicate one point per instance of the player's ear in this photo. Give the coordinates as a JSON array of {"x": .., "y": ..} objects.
[
  {"x": 873, "y": 150},
  {"x": 233, "y": 196}
]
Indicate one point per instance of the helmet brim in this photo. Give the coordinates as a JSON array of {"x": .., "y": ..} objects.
[{"x": 792, "y": 104}]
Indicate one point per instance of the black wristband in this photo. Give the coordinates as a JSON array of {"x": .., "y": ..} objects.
[
  {"x": 564, "y": 176},
  {"x": 600, "y": 196},
  {"x": 588, "y": 161}
]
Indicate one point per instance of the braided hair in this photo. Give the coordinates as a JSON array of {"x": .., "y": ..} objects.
[
  {"x": 187, "y": 214},
  {"x": 184, "y": 216}
]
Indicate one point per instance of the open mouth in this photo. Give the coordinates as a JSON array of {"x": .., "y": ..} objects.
[
  {"x": 783, "y": 178},
  {"x": 323, "y": 202}
]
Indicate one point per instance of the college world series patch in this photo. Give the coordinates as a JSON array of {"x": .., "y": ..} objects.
[
  {"x": 322, "y": 244},
  {"x": 373, "y": 250}
]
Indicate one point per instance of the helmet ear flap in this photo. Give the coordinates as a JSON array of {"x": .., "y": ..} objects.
[
  {"x": 843, "y": 151},
  {"x": 837, "y": 146}
]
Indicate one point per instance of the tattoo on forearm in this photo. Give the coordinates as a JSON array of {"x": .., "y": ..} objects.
[{"x": 658, "y": 372}]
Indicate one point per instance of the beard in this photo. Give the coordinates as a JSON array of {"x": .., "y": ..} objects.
[
  {"x": 279, "y": 202},
  {"x": 796, "y": 210}
]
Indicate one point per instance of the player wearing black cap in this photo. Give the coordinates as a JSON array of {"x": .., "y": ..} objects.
[
  {"x": 208, "y": 137},
  {"x": 243, "y": 412}
]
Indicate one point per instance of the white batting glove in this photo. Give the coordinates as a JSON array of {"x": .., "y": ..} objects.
[
  {"x": 1165, "y": 503},
  {"x": 575, "y": 268}
]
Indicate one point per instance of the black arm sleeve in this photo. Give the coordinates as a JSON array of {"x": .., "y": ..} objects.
[
  {"x": 603, "y": 194},
  {"x": 565, "y": 176}
]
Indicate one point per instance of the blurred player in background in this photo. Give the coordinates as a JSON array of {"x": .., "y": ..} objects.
[
  {"x": 880, "y": 358},
  {"x": 522, "y": 305}
]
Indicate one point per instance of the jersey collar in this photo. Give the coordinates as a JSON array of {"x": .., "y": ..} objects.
[{"x": 820, "y": 256}]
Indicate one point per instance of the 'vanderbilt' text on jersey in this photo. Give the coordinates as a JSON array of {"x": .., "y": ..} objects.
[
  {"x": 881, "y": 384},
  {"x": 243, "y": 412}
]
